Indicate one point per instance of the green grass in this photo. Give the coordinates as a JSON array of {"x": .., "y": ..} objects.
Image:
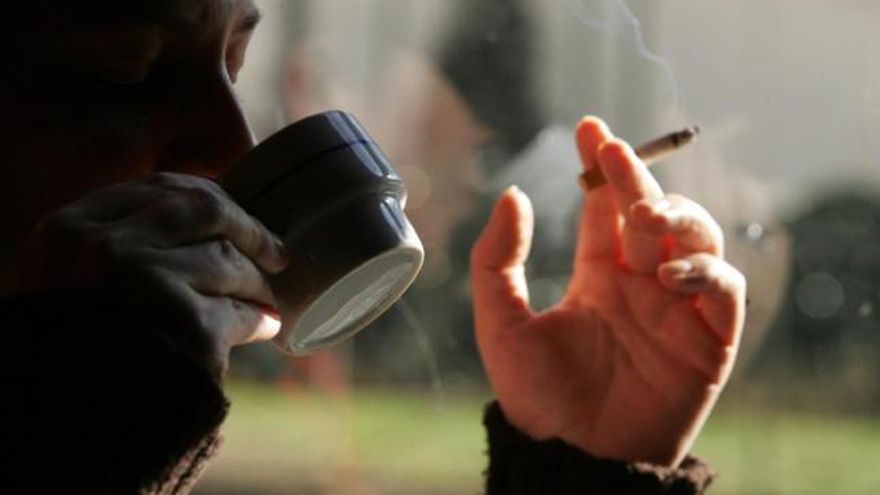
[
  {"x": 790, "y": 453},
  {"x": 395, "y": 442},
  {"x": 372, "y": 442}
]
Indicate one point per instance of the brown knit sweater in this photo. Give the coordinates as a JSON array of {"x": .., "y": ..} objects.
[{"x": 94, "y": 404}]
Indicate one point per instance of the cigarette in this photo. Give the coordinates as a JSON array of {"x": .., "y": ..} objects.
[{"x": 649, "y": 152}]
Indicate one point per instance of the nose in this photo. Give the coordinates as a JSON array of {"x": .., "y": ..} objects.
[{"x": 210, "y": 131}]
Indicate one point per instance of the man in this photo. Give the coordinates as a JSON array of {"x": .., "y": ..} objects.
[{"x": 129, "y": 275}]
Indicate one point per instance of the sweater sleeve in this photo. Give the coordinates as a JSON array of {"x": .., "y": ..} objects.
[
  {"x": 96, "y": 404},
  {"x": 519, "y": 465}
]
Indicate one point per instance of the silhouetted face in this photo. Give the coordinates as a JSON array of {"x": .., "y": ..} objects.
[{"x": 102, "y": 91}]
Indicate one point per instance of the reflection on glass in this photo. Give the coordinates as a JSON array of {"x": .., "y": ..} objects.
[{"x": 468, "y": 97}]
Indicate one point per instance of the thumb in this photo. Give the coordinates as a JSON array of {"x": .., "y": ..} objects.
[{"x": 501, "y": 296}]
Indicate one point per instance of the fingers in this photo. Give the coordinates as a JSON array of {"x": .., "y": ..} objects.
[
  {"x": 199, "y": 210},
  {"x": 202, "y": 328},
  {"x": 627, "y": 173},
  {"x": 169, "y": 209},
  {"x": 590, "y": 134},
  {"x": 114, "y": 202},
  {"x": 702, "y": 329},
  {"x": 217, "y": 268},
  {"x": 238, "y": 323},
  {"x": 599, "y": 233},
  {"x": 250, "y": 323},
  {"x": 690, "y": 342},
  {"x": 630, "y": 182},
  {"x": 501, "y": 298},
  {"x": 232, "y": 323},
  {"x": 631, "y": 220},
  {"x": 178, "y": 254},
  {"x": 719, "y": 289},
  {"x": 686, "y": 226}
]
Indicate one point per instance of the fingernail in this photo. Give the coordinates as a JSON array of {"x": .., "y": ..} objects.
[
  {"x": 282, "y": 249},
  {"x": 691, "y": 278},
  {"x": 682, "y": 268},
  {"x": 693, "y": 282}
]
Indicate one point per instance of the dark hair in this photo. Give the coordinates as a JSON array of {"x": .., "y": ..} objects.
[{"x": 488, "y": 55}]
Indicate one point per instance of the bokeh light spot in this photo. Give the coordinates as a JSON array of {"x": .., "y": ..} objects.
[{"x": 819, "y": 295}]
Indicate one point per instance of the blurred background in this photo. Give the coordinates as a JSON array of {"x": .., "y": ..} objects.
[{"x": 469, "y": 96}]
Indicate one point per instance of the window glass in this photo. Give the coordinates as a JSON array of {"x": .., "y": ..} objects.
[{"x": 467, "y": 97}]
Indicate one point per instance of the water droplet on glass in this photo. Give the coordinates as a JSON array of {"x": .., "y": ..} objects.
[
  {"x": 819, "y": 295},
  {"x": 754, "y": 232},
  {"x": 866, "y": 309}
]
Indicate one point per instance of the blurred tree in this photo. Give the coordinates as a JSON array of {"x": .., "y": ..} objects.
[{"x": 824, "y": 348}]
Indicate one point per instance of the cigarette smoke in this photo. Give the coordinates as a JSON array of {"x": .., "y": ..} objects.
[{"x": 615, "y": 18}]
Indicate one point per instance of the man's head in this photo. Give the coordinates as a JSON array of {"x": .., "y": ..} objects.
[{"x": 101, "y": 91}]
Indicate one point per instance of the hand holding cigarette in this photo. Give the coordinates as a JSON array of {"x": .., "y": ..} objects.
[
  {"x": 649, "y": 152},
  {"x": 628, "y": 364}
]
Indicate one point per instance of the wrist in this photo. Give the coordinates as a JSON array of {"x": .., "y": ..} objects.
[
  {"x": 660, "y": 446},
  {"x": 519, "y": 464},
  {"x": 667, "y": 453}
]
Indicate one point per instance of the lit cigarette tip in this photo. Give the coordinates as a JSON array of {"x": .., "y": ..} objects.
[
  {"x": 649, "y": 152},
  {"x": 684, "y": 136}
]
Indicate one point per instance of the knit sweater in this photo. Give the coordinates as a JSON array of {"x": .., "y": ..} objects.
[{"x": 94, "y": 403}]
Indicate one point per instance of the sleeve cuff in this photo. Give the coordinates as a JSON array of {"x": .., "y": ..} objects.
[
  {"x": 520, "y": 465},
  {"x": 99, "y": 401}
]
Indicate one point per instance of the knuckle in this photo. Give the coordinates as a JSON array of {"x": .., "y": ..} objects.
[
  {"x": 726, "y": 278},
  {"x": 738, "y": 281},
  {"x": 247, "y": 319},
  {"x": 170, "y": 213},
  {"x": 209, "y": 185},
  {"x": 211, "y": 208},
  {"x": 241, "y": 311},
  {"x": 163, "y": 179},
  {"x": 677, "y": 199},
  {"x": 260, "y": 240},
  {"x": 108, "y": 244},
  {"x": 711, "y": 225},
  {"x": 227, "y": 254},
  {"x": 614, "y": 148}
]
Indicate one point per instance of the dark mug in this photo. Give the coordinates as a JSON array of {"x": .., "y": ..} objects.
[{"x": 324, "y": 186}]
